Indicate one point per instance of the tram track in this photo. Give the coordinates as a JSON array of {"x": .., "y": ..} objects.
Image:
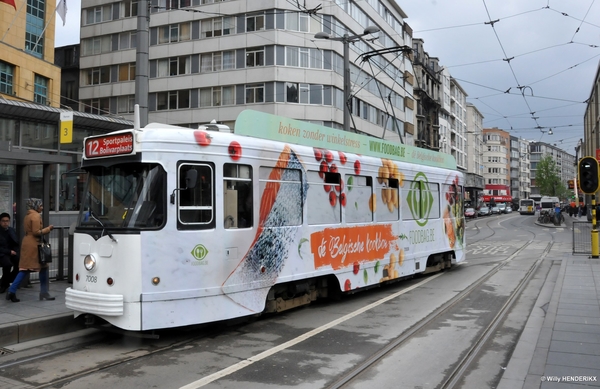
[
  {"x": 456, "y": 373},
  {"x": 452, "y": 379}
]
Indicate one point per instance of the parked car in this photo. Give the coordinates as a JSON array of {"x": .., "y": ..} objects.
[
  {"x": 495, "y": 210},
  {"x": 470, "y": 213},
  {"x": 501, "y": 208},
  {"x": 484, "y": 211},
  {"x": 508, "y": 209}
]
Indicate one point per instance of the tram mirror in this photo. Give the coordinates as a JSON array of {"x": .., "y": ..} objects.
[{"x": 191, "y": 177}]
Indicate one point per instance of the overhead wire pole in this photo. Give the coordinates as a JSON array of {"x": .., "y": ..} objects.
[
  {"x": 346, "y": 39},
  {"x": 142, "y": 60}
]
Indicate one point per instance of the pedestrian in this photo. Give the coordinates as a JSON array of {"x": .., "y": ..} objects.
[
  {"x": 29, "y": 260},
  {"x": 9, "y": 252}
]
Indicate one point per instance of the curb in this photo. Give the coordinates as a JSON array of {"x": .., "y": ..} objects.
[{"x": 27, "y": 330}]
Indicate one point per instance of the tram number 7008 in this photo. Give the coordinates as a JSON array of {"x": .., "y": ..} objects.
[{"x": 93, "y": 279}]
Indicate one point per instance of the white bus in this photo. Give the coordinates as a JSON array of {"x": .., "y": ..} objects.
[
  {"x": 527, "y": 207},
  {"x": 182, "y": 226}
]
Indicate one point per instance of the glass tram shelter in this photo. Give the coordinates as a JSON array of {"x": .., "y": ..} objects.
[{"x": 33, "y": 163}]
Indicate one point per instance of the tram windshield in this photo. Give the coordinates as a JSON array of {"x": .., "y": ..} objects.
[{"x": 124, "y": 196}]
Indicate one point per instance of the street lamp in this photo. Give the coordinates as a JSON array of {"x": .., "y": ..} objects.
[{"x": 346, "y": 39}]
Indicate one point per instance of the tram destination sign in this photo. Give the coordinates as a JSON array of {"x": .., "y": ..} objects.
[{"x": 109, "y": 145}]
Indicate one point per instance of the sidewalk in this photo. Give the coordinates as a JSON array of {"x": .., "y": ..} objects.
[
  {"x": 32, "y": 319},
  {"x": 560, "y": 345}
]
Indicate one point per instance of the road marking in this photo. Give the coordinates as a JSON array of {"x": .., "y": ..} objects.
[{"x": 247, "y": 362}]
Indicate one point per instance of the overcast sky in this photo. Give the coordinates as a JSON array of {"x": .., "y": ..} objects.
[{"x": 529, "y": 70}]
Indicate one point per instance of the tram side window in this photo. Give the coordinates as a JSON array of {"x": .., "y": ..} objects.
[
  {"x": 420, "y": 200},
  {"x": 238, "y": 204},
  {"x": 358, "y": 192},
  {"x": 196, "y": 205},
  {"x": 324, "y": 189},
  {"x": 280, "y": 197},
  {"x": 387, "y": 201}
]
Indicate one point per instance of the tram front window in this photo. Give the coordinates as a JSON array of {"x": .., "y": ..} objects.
[{"x": 124, "y": 196}]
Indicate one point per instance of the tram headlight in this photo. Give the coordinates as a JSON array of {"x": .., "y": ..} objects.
[{"x": 89, "y": 262}]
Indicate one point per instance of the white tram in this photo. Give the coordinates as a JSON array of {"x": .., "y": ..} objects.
[{"x": 182, "y": 226}]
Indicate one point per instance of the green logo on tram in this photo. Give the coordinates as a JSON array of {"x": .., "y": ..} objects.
[
  {"x": 420, "y": 199},
  {"x": 199, "y": 252}
]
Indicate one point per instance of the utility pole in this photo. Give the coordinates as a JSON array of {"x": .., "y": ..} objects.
[{"x": 142, "y": 60}]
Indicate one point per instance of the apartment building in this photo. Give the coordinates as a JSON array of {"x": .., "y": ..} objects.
[
  {"x": 27, "y": 70},
  {"x": 217, "y": 58},
  {"x": 520, "y": 176},
  {"x": 497, "y": 168}
]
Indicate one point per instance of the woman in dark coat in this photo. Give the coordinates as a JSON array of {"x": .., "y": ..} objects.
[{"x": 29, "y": 261}]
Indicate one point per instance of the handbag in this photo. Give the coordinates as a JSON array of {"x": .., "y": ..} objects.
[{"x": 45, "y": 252}]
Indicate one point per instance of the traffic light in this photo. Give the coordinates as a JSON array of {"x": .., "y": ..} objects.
[{"x": 588, "y": 175}]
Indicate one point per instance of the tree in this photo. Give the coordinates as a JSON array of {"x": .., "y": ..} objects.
[{"x": 547, "y": 178}]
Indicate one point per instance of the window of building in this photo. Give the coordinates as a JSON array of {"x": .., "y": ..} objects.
[
  {"x": 125, "y": 104},
  {"x": 129, "y": 8},
  {"x": 296, "y": 21},
  {"x": 6, "y": 78},
  {"x": 217, "y": 27},
  {"x": 40, "y": 89},
  {"x": 237, "y": 196},
  {"x": 255, "y": 22},
  {"x": 255, "y": 93},
  {"x": 176, "y": 4},
  {"x": 96, "y": 76},
  {"x": 291, "y": 56},
  {"x": 70, "y": 91},
  {"x": 291, "y": 92},
  {"x": 127, "y": 40},
  {"x": 173, "y": 100},
  {"x": 99, "y": 14},
  {"x": 255, "y": 56},
  {"x": 174, "y": 33},
  {"x": 96, "y": 45},
  {"x": 174, "y": 66},
  {"x": 34, "y": 27},
  {"x": 214, "y": 62},
  {"x": 127, "y": 71},
  {"x": 217, "y": 96},
  {"x": 96, "y": 106}
]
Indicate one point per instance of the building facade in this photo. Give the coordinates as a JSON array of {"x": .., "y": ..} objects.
[
  {"x": 564, "y": 161},
  {"x": 227, "y": 56},
  {"x": 520, "y": 179},
  {"x": 27, "y": 70},
  {"x": 474, "y": 181},
  {"x": 427, "y": 92},
  {"x": 497, "y": 168}
]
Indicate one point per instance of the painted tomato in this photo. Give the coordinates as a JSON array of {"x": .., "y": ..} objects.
[
  {"x": 357, "y": 167},
  {"x": 343, "y": 158},
  {"x": 333, "y": 168},
  {"x": 202, "y": 138},
  {"x": 324, "y": 168},
  {"x": 318, "y": 154},
  {"x": 332, "y": 198},
  {"x": 347, "y": 285},
  {"x": 328, "y": 156},
  {"x": 343, "y": 199},
  {"x": 355, "y": 267},
  {"x": 235, "y": 150}
]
